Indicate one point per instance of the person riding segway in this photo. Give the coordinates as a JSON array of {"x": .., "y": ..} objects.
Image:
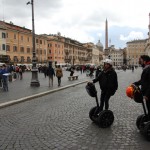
[
  {"x": 108, "y": 84},
  {"x": 142, "y": 121},
  {"x": 142, "y": 95}
]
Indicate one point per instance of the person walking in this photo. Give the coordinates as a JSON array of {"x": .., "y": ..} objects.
[
  {"x": 59, "y": 74},
  {"x": 44, "y": 68},
  {"x": 71, "y": 71},
  {"x": 132, "y": 68},
  {"x": 98, "y": 71},
  {"x": 17, "y": 71},
  {"x": 21, "y": 72},
  {"x": 5, "y": 74},
  {"x": 144, "y": 82},
  {"x": 50, "y": 73},
  {"x": 1, "y": 77},
  {"x": 108, "y": 81}
]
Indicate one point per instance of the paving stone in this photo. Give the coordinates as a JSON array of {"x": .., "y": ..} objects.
[{"x": 61, "y": 121}]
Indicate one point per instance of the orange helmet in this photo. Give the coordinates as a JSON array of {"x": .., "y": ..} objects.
[
  {"x": 134, "y": 92},
  {"x": 130, "y": 91}
]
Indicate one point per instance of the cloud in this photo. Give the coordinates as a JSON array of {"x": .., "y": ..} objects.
[
  {"x": 133, "y": 35},
  {"x": 81, "y": 19}
]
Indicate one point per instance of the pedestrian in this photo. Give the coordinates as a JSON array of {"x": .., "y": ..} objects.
[
  {"x": 91, "y": 71},
  {"x": 5, "y": 74},
  {"x": 21, "y": 72},
  {"x": 71, "y": 71},
  {"x": 108, "y": 81},
  {"x": 98, "y": 71},
  {"x": 132, "y": 68},
  {"x": 44, "y": 69},
  {"x": 144, "y": 61},
  {"x": 59, "y": 74},
  {"x": 1, "y": 77},
  {"x": 17, "y": 71},
  {"x": 50, "y": 74},
  {"x": 81, "y": 70}
]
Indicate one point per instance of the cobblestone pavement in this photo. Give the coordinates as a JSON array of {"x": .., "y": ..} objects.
[
  {"x": 59, "y": 121},
  {"x": 22, "y": 88}
]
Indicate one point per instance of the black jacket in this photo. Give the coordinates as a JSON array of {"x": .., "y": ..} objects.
[
  {"x": 50, "y": 71},
  {"x": 145, "y": 81},
  {"x": 108, "y": 81}
]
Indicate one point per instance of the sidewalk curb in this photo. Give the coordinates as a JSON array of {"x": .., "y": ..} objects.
[{"x": 12, "y": 102}]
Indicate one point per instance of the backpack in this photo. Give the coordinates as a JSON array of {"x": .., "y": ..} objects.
[{"x": 17, "y": 69}]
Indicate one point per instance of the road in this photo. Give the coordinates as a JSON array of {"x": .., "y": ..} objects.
[{"x": 59, "y": 121}]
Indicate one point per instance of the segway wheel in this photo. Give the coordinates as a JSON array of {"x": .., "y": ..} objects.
[
  {"x": 142, "y": 122},
  {"x": 93, "y": 114},
  {"x": 147, "y": 130},
  {"x": 105, "y": 118},
  {"x": 139, "y": 121}
]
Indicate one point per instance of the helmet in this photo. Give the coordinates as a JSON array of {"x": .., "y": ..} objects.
[
  {"x": 108, "y": 61},
  {"x": 134, "y": 92},
  {"x": 129, "y": 91},
  {"x": 91, "y": 90}
]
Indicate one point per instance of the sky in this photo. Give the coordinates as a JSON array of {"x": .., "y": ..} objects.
[{"x": 82, "y": 20}]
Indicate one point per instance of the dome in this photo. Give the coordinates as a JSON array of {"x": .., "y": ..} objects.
[{"x": 99, "y": 44}]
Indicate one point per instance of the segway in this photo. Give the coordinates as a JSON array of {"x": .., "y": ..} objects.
[
  {"x": 142, "y": 121},
  {"x": 103, "y": 118}
]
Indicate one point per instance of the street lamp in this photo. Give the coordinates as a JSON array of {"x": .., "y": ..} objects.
[{"x": 34, "y": 80}]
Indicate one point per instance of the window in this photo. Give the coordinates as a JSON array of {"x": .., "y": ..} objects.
[
  {"x": 7, "y": 48},
  {"x": 40, "y": 41},
  {"x": 21, "y": 38},
  {"x": 44, "y": 51},
  {"x": 37, "y": 41},
  {"x": 15, "y": 59},
  {"x": 22, "y": 49},
  {"x": 6, "y": 35},
  {"x": 50, "y": 51},
  {"x": 28, "y": 59},
  {"x": 3, "y": 47},
  {"x": 14, "y": 36},
  {"x": 15, "y": 48},
  {"x": 28, "y": 50},
  {"x": 3, "y": 35},
  {"x": 28, "y": 39},
  {"x": 40, "y": 51},
  {"x": 37, "y": 51},
  {"x": 22, "y": 59}
]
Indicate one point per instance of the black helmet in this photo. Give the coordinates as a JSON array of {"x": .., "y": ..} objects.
[
  {"x": 91, "y": 90},
  {"x": 138, "y": 97}
]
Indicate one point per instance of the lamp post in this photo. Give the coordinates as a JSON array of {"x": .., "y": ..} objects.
[{"x": 34, "y": 80}]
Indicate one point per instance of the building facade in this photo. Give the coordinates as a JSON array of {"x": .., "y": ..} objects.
[
  {"x": 134, "y": 50},
  {"x": 3, "y": 57},
  {"x": 19, "y": 44}
]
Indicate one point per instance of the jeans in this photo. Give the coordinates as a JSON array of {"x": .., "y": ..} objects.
[
  {"x": 50, "y": 80},
  {"x": 5, "y": 84},
  {"x": 104, "y": 99},
  {"x": 59, "y": 80}
]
